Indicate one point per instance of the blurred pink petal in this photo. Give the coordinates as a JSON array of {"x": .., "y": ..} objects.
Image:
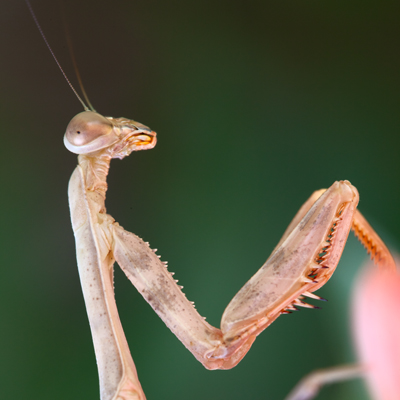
[{"x": 376, "y": 327}]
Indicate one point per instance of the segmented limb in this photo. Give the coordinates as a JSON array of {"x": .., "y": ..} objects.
[
  {"x": 276, "y": 287},
  {"x": 311, "y": 384},
  {"x": 252, "y": 309},
  {"x": 374, "y": 245}
]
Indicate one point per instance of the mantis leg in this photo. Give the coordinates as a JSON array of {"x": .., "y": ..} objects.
[
  {"x": 278, "y": 285},
  {"x": 310, "y": 385},
  {"x": 374, "y": 245}
]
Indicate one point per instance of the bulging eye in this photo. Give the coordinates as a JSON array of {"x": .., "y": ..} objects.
[{"x": 88, "y": 132}]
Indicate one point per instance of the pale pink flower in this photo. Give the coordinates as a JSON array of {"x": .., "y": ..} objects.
[{"x": 376, "y": 327}]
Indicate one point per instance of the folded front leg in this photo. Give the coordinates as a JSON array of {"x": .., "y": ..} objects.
[{"x": 303, "y": 262}]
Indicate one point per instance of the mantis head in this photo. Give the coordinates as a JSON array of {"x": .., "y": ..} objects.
[{"x": 89, "y": 132}]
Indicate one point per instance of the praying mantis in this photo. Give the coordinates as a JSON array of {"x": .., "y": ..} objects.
[
  {"x": 302, "y": 262},
  {"x": 311, "y": 228}
]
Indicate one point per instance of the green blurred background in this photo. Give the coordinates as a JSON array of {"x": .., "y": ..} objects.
[{"x": 256, "y": 104}]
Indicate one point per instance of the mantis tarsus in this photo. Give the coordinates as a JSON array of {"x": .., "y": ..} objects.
[{"x": 302, "y": 262}]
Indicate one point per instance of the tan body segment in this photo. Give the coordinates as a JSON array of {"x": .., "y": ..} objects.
[{"x": 302, "y": 262}]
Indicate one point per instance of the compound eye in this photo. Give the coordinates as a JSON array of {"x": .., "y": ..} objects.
[
  {"x": 88, "y": 132},
  {"x": 86, "y": 127}
]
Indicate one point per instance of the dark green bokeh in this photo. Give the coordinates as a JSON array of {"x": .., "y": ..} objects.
[{"x": 256, "y": 104}]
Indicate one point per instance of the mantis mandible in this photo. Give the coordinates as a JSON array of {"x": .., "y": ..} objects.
[{"x": 303, "y": 261}]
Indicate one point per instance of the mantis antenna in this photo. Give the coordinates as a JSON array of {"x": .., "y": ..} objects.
[
  {"x": 86, "y": 108},
  {"x": 72, "y": 54}
]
